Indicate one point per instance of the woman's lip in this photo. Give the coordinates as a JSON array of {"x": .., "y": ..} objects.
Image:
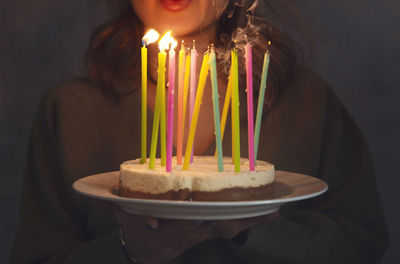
[{"x": 175, "y": 5}]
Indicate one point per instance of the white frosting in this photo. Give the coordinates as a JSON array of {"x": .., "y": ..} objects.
[{"x": 203, "y": 175}]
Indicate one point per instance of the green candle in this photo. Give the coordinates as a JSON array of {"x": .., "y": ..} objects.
[
  {"x": 235, "y": 110},
  {"x": 214, "y": 83},
  {"x": 260, "y": 105}
]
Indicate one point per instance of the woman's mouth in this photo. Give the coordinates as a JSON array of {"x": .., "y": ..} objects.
[{"x": 175, "y": 5}]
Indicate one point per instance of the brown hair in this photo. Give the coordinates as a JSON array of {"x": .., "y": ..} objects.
[{"x": 114, "y": 49}]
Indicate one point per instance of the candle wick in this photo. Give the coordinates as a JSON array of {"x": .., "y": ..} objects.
[
  {"x": 235, "y": 45},
  {"x": 268, "y": 46},
  {"x": 194, "y": 44}
]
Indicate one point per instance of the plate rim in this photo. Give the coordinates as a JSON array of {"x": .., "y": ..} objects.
[{"x": 115, "y": 198}]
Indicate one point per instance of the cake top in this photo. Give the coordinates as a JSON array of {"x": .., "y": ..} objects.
[
  {"x": 201, "y": 166},
  {"x": 203, "y": 175}
]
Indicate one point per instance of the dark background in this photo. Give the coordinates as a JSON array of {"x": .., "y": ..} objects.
[{"x": 42, "y": 43}]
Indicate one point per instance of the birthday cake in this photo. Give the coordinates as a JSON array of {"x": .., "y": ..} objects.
[{"x": 201, "y": 182}]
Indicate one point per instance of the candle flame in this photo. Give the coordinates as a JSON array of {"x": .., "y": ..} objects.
[
  {"x": 150, "y": 37},
  {"x": 167, "y": 42}
]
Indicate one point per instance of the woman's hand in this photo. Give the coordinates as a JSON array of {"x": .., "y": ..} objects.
[{"x": 153, "y": 240}]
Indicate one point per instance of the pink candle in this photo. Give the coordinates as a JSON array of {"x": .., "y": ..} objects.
[
  {"x": 179, "y": 125},
  {"x": 193, "y": 80},
  {"x": 171, "y": 97},
  {"x": 250, "y": 114}
]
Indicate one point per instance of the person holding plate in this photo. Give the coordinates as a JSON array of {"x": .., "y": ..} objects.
[{"x": 91, "y": 125}]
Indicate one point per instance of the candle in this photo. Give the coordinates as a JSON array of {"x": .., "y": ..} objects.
[
  {"x": 157, "y": 108},
  {"x": 196, "y": 110},
  {"x": 260, "y": 105},
  {"x": 171, "y": 101},
  {"x": 232, "y": 124},
  {"x": 144, "y": 106},
  {"x": 235, "y": 111},
  {"x": 179, "y": 130},
  {"x": 150, "y": 37},
  {"x": 250, "y": 114},
  {"x": 163, "y": 133},
  {"x": 215, "y": 97},
  {"x": 186, "y": 88},
  {"x": 158, "y": 104},
  {"x": 193, "y": 80},
  {"x": 225, "y": 110}
]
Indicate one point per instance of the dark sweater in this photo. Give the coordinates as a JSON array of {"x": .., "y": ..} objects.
[{"x": 79, "y": 131}]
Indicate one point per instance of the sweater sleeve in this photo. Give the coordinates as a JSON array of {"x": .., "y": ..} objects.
[
  {"x": 51, "y": 229},
  {"x": 345, "y": 225}
]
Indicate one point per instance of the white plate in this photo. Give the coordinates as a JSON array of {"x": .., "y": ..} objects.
[{"x": 288, "y": 187}]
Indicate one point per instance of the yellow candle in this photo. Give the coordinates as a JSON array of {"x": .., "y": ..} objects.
[
  {"x": 196, "y": 110},
  {"x": 235, "y": 112},
  {"x": 150, "y": 37},
  {"x": 157, "y": 109},
  {"x": 179, "y": 130},
  {"x": 232, "y": 132},
  {"x": 163, "y": 131},
  {"x": 144, "y": 106},
  {"x": 226, "y": 107},
  {"x": 186, "y": 88}
]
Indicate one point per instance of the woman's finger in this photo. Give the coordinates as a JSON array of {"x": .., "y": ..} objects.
[{"x": 151, "y": 224}]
